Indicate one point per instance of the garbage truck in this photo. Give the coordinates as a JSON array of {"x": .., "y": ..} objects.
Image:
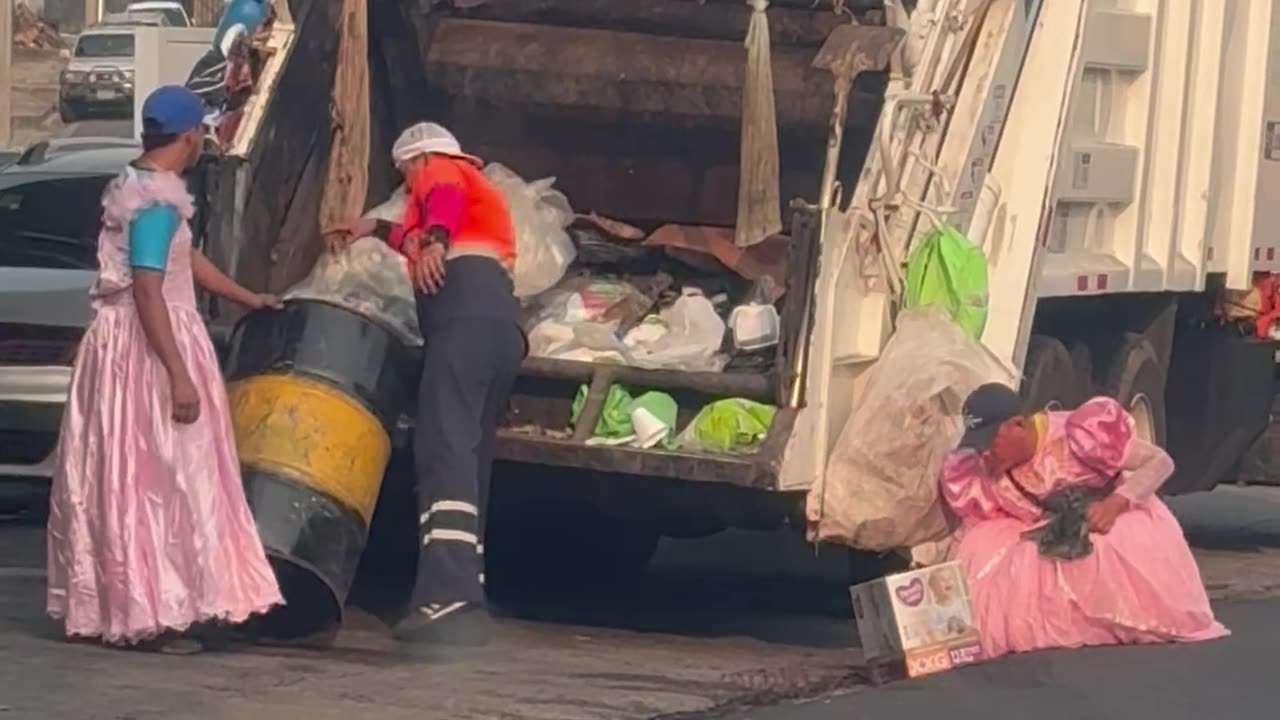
[{"x": 1111, "y": 159}]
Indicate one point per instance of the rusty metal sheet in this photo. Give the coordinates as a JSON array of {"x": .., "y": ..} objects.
[
  {"x": 621, "y": 71},
  {"x": 853, "y": 49},
  {"x": 766, "y": 258}
]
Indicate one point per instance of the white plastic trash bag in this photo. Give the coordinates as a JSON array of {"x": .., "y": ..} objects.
[
  {"x": 392, "y": 210},
  {"x": 686, "y": 336},
  {"x": 880, "y": 489},
  {"x": 540, "y": 215},
  {"x": 583, "y": 341},
  {"x": 369, "y": 278}
]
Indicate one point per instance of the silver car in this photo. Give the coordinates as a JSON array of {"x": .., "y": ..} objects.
[
  {"x": 99, "y": 77},
  {"x": 50, "y": 211}
]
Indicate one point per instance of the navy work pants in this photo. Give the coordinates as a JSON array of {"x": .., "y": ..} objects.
[{"x": 470, "y": 365}]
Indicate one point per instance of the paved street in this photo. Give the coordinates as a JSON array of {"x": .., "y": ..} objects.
[
  {"x": 1231, "y": 678},
  {"x": 718, "y": 626},
  {"x": 738, "y": 619}
]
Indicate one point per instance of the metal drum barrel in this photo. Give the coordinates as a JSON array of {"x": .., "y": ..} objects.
[{"x": 315, "y": 391}]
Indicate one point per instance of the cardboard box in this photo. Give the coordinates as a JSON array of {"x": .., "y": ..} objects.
[{"x": 918, "y": 621}]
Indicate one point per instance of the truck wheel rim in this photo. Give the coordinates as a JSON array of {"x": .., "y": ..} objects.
[{"x": 1143, "y": 417}]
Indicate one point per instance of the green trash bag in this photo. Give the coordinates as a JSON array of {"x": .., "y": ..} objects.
[
  {"x": 615, "y": 418},
  {"x": 732, "y": 425},
  {"x": 947, "y": 269}
]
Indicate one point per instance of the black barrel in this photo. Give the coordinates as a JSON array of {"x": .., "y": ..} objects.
[{"x": 316, "y": 391}]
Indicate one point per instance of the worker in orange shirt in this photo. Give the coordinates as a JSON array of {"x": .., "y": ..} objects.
[{"x": 459, "y": 240}]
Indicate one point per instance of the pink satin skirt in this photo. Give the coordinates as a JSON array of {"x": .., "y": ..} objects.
[
  {"x": 148, "y": 528},
  {"x": 1139, "y": 585}
]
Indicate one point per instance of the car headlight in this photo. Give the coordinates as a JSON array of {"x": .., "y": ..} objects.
[
  {"x": 74, "y": 76},
  {"x": 128, "y": 74}
]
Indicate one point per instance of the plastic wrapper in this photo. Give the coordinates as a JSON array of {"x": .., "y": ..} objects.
[
  {"x": 540, "y": 215},
  {"x": 367, "y": 278},
  {"x": 880, "y": 488},
  {"x": 584, "y": 341},
  {"x": 614, "y": 301},
  {"x": 685, "y": 336}
]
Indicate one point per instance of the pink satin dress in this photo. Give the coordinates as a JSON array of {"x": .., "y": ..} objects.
[
  {"x": 148, "y": 530},
  {"x": 1139, "y": 585}
]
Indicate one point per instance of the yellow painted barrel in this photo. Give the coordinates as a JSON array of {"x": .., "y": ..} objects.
[{"x": 315, "y": 393}]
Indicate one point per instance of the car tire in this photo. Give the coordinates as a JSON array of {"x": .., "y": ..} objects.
[
  {"x": 1050, "y": 376},
  {"x": 1136, "y": 379}
]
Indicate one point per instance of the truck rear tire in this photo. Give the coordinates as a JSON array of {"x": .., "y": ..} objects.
[
  {"x": 1050, "y": 376},
  {"x": 1136, "y": 379}
]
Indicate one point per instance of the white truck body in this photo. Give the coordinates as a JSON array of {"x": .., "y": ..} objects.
[
  {"x": 1109, "y": 156},
  {"x": 164, "y": 56},
  {"x": 1139, "y": 139}
]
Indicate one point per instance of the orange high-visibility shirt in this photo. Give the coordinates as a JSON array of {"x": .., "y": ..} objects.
[{"x": 452, "y": 194}]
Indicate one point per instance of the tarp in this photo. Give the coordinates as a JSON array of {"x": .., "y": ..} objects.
[{"x": 880, "y": 490}]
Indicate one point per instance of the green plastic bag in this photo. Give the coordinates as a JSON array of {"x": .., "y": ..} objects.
[
  {"x": 732, "y": 425},
  {"x": 947, "y": 269},
  {"x": 615, "y": 418}
]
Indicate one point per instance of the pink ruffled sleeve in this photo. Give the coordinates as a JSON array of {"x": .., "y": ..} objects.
[
  {"x": 1100, "y": 434},
  {"x": 966, "y": 489}
]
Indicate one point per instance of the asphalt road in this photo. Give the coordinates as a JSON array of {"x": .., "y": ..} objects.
[
  {"x": 716, "y": 627},
  {"x": 99, "y": 128},
  {"x": 739, "y": 618},
  {"x": 1236, "y": 677},
  {"x": 1231, "y": 678}
]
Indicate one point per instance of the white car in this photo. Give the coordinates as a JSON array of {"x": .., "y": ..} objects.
[
  {"x": 50, "y": 209},
  {"x": 99, "y": 77},
  {"x": 174, "y": 13}
]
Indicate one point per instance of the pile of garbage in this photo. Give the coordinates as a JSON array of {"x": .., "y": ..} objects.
[
  {"x": 599, "y": 290},
  {"x": 34, "y": 32},
  {"x": 594, "y": 289}
]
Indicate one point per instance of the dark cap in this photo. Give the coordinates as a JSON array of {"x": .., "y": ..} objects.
[{"x": 985, "y": 410}]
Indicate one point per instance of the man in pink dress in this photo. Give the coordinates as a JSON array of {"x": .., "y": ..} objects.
[
  {"x": 1119, "y": 572},
  {"x": 149, "y": 532}
]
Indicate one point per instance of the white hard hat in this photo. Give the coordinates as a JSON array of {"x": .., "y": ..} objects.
[{"x": 426, "y": 138}]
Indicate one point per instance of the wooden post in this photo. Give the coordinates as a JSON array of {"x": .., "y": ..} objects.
[
  {"x": 6, "y": 72},
  {"x": 347, "y": 180}
]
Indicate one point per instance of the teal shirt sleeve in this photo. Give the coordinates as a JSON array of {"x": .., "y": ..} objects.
[{"x": 150, "y": 233}]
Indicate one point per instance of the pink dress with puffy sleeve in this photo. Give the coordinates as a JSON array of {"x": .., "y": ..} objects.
[
  {"x": 148, "y": 526},
  {"x": 1139, "y": 585}
]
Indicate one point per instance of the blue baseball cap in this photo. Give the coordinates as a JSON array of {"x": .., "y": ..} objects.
[{"x": 171, "y": 110}]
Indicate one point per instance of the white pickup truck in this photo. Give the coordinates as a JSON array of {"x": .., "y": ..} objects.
[{"x": 1112, "y": 159}]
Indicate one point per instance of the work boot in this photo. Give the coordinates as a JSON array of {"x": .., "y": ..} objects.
[{"x": 462, "y": 625}]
